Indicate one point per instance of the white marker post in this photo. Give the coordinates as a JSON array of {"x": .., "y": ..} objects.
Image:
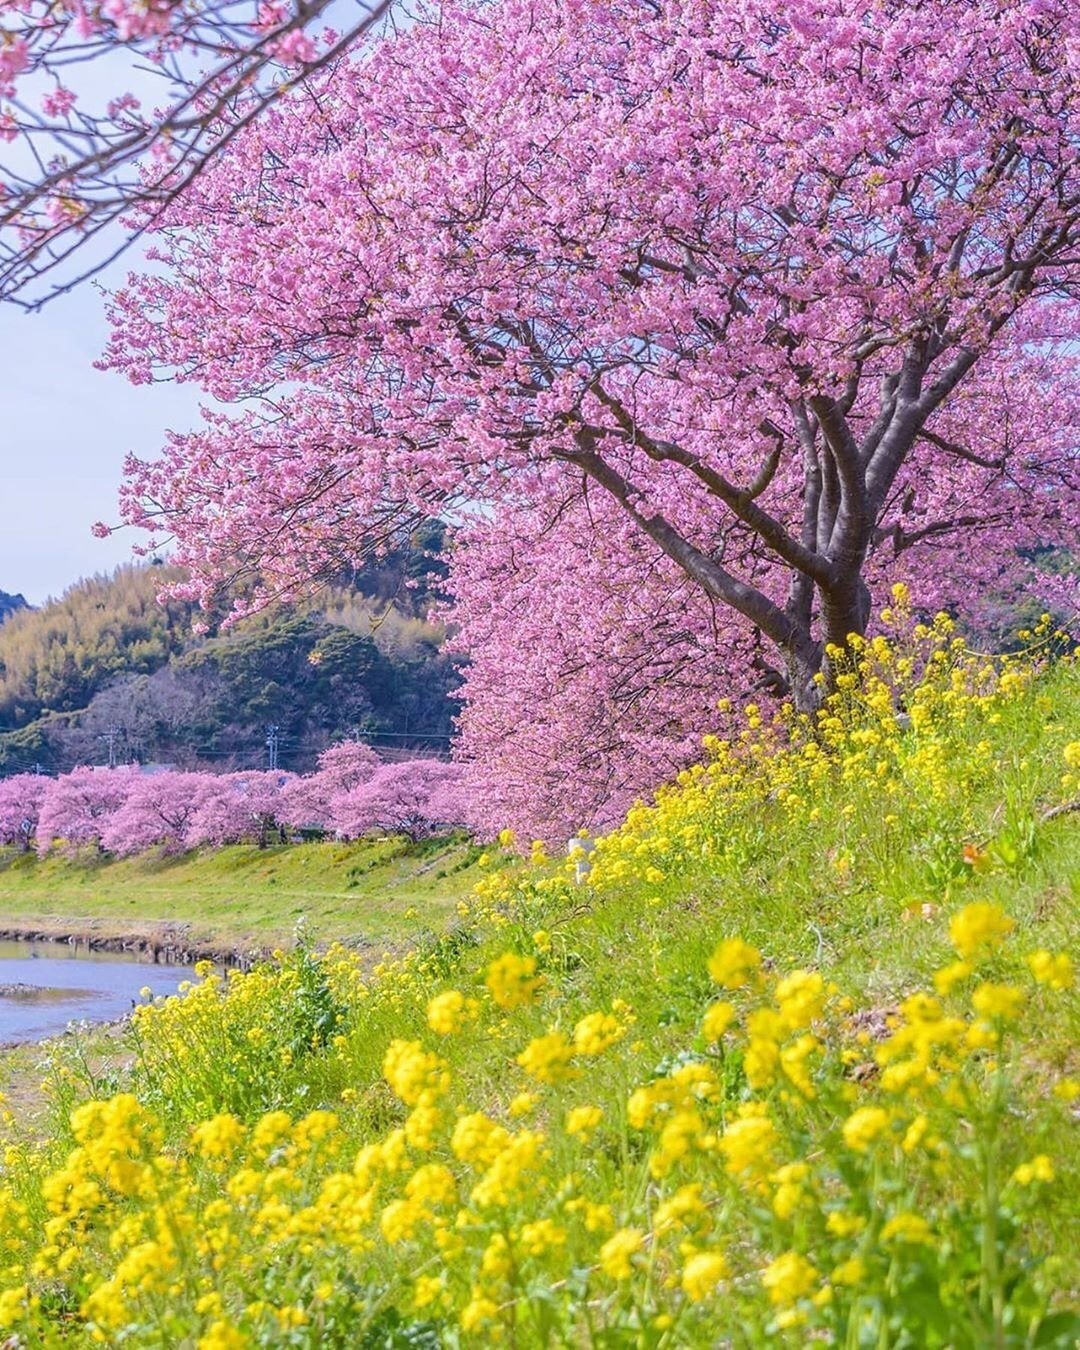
[{"x": 579, "y": 849}]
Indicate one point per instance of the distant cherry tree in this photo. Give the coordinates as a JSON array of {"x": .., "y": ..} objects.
[
  {"x": 309, "y": 800},
  {"x": 157, "y": 810},
  {"x": 77, "y": 807},
  {"x": 237, "y": 808},
  {"x": 415, "y": 798},
  {"x": 20, "y": 803}
]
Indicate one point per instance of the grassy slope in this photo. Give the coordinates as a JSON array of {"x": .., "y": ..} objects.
[
  {"x": 244, "y": 895},
  {"x": 858, "y": 888},
  {"x": 865, "y": 902}
]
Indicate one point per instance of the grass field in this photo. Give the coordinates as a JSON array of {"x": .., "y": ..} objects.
[{"x": 365, "y": 893}]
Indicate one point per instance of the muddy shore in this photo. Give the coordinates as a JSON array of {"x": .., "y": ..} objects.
[{"x": 162, "y": 945}]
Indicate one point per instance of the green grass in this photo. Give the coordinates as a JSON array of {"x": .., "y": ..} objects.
[{"x": 379, "y": 892}]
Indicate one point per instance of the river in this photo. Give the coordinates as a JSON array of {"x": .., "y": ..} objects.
[{"x": 46, "y": 985}]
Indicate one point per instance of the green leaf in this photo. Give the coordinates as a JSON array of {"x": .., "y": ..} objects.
[{"x": 1061, "y": 1328}]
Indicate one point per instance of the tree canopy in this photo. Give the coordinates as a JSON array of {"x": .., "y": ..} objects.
[
  {"x": 113, "y": 107},
  {"x": 702, "y": 321}
]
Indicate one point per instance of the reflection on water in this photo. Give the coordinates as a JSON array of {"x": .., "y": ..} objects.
[{"x": 45, "y": 985}]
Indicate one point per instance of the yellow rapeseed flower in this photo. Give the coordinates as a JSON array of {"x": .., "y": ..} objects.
[
  {"x": 864, "y": 1126},
  {"x": 998, "y": 1000},
  {"x": 800, "y": 998},
  {"x": 541, "y": 1237},
  {"x": 512, "y": 981},
  {"x": 979, "y": 927},
  {"x": 907, "y": 1227},
  {"x": 581, "y": 1121},
  {"x": 1040, "y": 1168},
  {"x": 426, "y": 1289},
  {"x": 734, "y": 963},
  {"x": 597, "y": 1032},
  {"x": 948, "y": 977},
  {"x": 222, "y": 1335},
  {"x": 413, "y": 1071},
  {"x": 450, "y": 1011},
  {"x": 479, "y": 1310},
  {"x": 478, "y": 1140},
  {"x": 788, "y": 1278},
  {"x": 618, "y": 1252},
  {"x": 684, "y": 1208},
  {"x": 701, "y": 1274},
  {"x": 548, "y": 1058},
  {"x": 718, "y": 1017},
  {"x": 1055, "y": 970},
  {"x": 850, "y": 1272},
  {"x": 747, "y": 1144},
  {"x": 218, "y": 1137}
]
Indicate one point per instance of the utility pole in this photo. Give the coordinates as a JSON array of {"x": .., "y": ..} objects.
[
  {"x": 111, "y": 735},
  {"x": 272, "y": 746}
]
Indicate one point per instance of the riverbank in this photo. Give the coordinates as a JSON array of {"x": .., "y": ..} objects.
[
  {"x": 240, "y": 902},
  {"x": 232, "y": 906}
]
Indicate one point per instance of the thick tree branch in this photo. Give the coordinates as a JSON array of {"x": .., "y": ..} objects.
[
  {"x": 741, "y": 501},
  {"x": 960, "y": 451},
  {"x": 714, "y": 579}
]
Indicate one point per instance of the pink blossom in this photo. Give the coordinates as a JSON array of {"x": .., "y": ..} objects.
[
  {"x": 309, "y": 800},
  {"x": 416, "y": 797},
  {"x": 157, "y": 810},
  {"x": 704, "y": 323},
  {"x": 20, "y": 803},
  {"x": 236, "y": 808},
  {"x": 76, "y": 808},
  {"x": 59, "y": 103}
]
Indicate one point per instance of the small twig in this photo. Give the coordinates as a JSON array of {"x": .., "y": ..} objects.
[{"x": 1062, "y": 810}]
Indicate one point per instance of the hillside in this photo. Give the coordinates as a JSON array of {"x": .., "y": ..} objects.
[
  {"x": 798, "y": 1064},
  {"x": 109, "y": 669}
]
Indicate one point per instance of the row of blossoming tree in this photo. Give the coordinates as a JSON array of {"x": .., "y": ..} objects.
[{"x": 125, "y": 811}]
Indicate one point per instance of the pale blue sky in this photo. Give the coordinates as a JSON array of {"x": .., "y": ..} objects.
[
  {"x": 65, "y": 427},
  {"x": 64, "y": 431}
]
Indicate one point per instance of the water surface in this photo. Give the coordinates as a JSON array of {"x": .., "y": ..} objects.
[{"x": 46, "y": 985}]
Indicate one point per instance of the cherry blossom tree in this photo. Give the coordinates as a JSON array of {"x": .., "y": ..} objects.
[
  {"x": 76, "y": 808},
  {"x": 592, "y": 670},
  {"x": 20, "y": 802},
  {"x": 79, "y": 161},
  {"x": 156, "y": 811},
  {"x": 415, "y": 797},
  {"x": 705, "y": 318},
  {"x": 309, "y": 800},
  {"x": 236, "y": 808}
]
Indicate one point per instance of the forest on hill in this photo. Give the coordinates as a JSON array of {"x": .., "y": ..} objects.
[{"x": 110, "y": 671}]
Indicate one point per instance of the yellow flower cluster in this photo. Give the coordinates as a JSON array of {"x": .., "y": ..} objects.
[{"x": 772, "y": 1161}]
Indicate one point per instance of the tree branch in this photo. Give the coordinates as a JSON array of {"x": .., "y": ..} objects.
[
  {"x": 714, "y": 579},
  {"x": 739, "y": 500}
]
